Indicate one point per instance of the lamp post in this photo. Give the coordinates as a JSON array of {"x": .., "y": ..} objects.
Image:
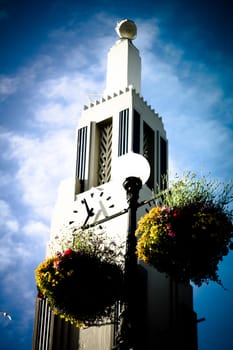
[{"x": 135, "y": 171}]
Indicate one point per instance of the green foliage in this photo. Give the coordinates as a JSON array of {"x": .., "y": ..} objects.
[{"x": 192, "y": 189}]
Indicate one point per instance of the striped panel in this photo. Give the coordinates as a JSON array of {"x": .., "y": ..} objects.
[
  {"x": 123, "y": 132},
  {"x": 149, "y": 152},
  {"x": 163, "y": 162},
  {"x": 136, "y": 132},
  {"x": 81, "y": 153},
  {"x": 42, "y": 325}
]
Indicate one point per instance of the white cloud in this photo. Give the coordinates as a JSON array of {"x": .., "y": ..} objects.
[
  {"x": 36, "y": 229},
  {"x": 57, "y": 115},
  {"x": 8, "y": 221},
  {"x": 14, "y": 253},
  {"x": 8, "y": 86},
  {"x": 61, "y": 100},
  {"x": 41, "y": 163},
  {"x": 148, "y": 34}
]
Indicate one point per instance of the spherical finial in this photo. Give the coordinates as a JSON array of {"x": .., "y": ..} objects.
[{"x": 126, "y": 29}]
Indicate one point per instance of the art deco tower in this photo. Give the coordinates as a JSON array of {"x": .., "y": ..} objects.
[{"x": 118, "y": 123}]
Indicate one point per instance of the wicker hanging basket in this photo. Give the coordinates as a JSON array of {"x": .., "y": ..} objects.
[
  {"x": 188, "y": 237},
  {"x": 80, "y": 286}
]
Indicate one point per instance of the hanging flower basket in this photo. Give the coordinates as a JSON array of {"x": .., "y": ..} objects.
[
  {"x": 80, "y": 285},
  {"x": 187, "y": 241}
]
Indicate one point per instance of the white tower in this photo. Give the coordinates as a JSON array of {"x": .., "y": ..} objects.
[{"x": 119, "y": 123}]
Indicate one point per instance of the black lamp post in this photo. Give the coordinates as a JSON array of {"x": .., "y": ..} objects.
[{"x": 128, "y": 333}]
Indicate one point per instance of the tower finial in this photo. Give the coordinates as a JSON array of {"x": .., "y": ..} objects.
[{"x": 126, "y": 29}]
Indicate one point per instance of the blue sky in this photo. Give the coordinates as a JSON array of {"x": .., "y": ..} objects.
[{"x": 53, "y": 54}]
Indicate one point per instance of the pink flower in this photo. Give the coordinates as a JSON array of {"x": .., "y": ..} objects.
[
  {"x": 169, "y": 230},
  {"x": 171, "y": 233},
  {"x": 56, "y": 264}
]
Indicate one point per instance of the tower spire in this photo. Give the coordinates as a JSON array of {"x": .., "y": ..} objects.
[{"x": 124, "y": 62}]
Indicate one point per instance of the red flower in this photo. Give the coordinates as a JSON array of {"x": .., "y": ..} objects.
[
  {"x": 176, "y": 213},
  {"x": 67, "y": 252},
  {"x": 40, "y": 295}
]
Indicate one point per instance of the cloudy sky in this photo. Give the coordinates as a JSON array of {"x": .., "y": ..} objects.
[{"x": 53, "y": 54}]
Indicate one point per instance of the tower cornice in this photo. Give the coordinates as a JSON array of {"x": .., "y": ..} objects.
[{"x": 106, "y": 99}]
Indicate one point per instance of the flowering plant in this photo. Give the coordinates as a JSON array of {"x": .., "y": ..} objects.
[
  {"x": 188, "y": 236},
  {"x": 81, "y": 284}
]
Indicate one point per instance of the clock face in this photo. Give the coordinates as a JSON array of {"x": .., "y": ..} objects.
[{"x": 96, "y": 204}]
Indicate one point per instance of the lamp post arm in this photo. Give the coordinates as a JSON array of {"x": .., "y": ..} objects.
[{"x": 153, "y": 199}]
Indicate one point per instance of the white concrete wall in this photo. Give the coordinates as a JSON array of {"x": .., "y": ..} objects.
[
  {"x": 123, "y": 67},
  {"x": 96, "y": 338}
]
